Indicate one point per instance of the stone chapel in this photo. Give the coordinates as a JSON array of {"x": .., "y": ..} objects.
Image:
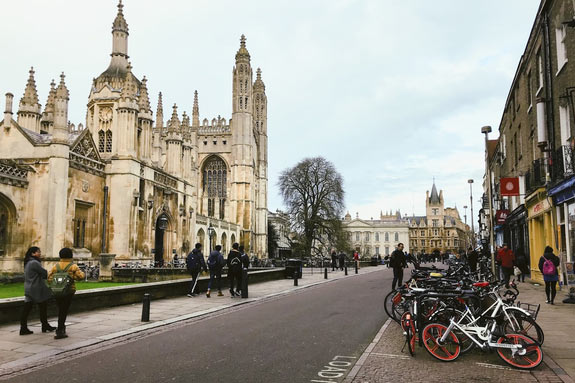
[{"x": 129, "y": 183}]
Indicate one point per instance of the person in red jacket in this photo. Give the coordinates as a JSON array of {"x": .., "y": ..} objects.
[{"x": 506, "y": 259}]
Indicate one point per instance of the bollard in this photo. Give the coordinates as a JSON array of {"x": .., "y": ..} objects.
[
  {"x": 146, "y": 308},
  {"x": 325, "y": 273},
  {"x": 244, "y": 283},
  {"x": 345, "y": 268},
  {"x": 295, "y": 275},
  {"x": 355, "y": 267}
]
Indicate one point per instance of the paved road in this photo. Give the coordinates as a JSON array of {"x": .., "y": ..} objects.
[{"x": 291, "y": 339}]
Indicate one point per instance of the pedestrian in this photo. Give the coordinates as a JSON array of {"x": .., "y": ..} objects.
[
  {"x": 333, "y": 260},
  {"x": 521, "y": 263},
  {"x": 356, "y": 258},
  {"x": 397, "y": 261},
  {"x": 216, "y": 263},
  {"x": 234, "y": 263},
  {"x": 342, "y": 260},
  {"x": 548, "y": 264},
  {"x": 245, "y": 260},
  {"x": 64, "y": 300},
  {"x": 506, "y": 259},
  {"x": 35, "y": 290},
  {"x": 472, "y": 259},
  {"x": 195, "y": 263}
]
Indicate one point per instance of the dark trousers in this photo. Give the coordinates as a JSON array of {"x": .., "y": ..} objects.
[
  {"x": 397, "y": 277},
  {"x": 217, "y": 276},
  {"x": 195, "y": 274},
  {"x": 63, "y": 304},
  {"x": 551, "y": 290},
  {"x": 507, "y": 273},
  {"x": 341, "y": 264},
  {"x": 43, "y": 307},
  {"x": 235, "y": 279},
  {"x": 333, "y": 265}
]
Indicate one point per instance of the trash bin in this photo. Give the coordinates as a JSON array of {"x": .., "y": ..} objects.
[
  {"x": 293, "y": 266},
  {"x": 374, "y": 261}
]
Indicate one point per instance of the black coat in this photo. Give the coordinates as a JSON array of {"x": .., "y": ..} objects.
[{"x": 397, "y": 260}]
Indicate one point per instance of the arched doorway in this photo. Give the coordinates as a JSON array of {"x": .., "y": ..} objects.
[
  {"x": 233, "y": 239},
  {"x": 224, "y": 243},
  {"x": 7, "y": 219},
  {"x": 161, "y": 227},
  {"x": 201, "y": 238}
]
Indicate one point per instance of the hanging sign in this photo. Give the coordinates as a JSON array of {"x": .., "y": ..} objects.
[
  {"x": 501, "y": 216},
  {"x": 510, "y": 186}
]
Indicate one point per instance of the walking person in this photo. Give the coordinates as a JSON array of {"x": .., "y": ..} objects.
[
  {"x": 245, "y": 263},
  {"x": 521, "y": 263},
  {"x": 356, "y": 258},
  {"x": 333, "y": 260},
  {"x": 341, "y": 260},
  {"x": 472, "y": 259},
  {"x": 506, "y": 259},
  {"x": 216, "y": 263},
  {"x": 398, "y": 262},
  {"x": 67, "y": 289},
  {"x": 548, "y": 264},
  {"x": 195, "y": 263},
  {"x": 35, "y": 290},
  {"x": 234, "y": 263}
]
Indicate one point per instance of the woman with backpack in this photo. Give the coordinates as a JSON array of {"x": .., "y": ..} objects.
[
  {"x": 35, "y": 291},
  {"x": 64, "y": 288},
  {"x": 548, "y": 265}
]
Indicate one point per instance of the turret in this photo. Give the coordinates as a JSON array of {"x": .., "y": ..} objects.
[
  {"x": 174, "y": 144},
  {"x": 61, "y": 98},
  {"x": 47, "y": 122},
  {"x": 196, "y": 112},
  {"x": 145, "y": 121},
  {"x": 29, "y": 108},
  {"x": 242, "y": 89}
]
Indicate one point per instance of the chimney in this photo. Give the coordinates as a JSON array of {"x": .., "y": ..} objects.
[{"x": 8, "y": 110}]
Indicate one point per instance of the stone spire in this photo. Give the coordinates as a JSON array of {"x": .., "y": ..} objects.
[
  {"x": 259, "y": 84},
  {"x": 130, "y": 88},
  {"x": 29, "y": 101},
  {"x": 434, "y": 196},
  {"x": 243, "y": 55},
  {"x": 120, "y": 23},
  {"x": 48, "y": 114},
  {"x": 185, "y": 126},
  {"x": 144, "y": 100},
  {"x": 196, "y": 111},
  {"x": 119, "y": 62},
  {"x": 160, "y": 113},
  {"x": 174, "y": 123},
  {"x": 61, "y": 98}
]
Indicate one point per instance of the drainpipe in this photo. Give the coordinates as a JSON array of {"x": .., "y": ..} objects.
[
  {"x": 104, "y": 219},
  {"x": 548, "y": 93}
]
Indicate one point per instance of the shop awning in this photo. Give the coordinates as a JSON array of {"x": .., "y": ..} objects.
[{"x": 563, "y": 192}]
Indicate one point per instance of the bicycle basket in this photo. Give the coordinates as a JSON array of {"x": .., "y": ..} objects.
[{"x": 531, "y": 308}]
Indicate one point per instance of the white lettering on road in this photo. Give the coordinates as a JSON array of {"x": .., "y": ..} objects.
[{"x": 333, "y": 369}]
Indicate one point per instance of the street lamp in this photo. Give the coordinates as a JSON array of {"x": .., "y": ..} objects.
[
  {"x": 470, "y": 182},
  {"x": 486, "y": 130},
  {"x": 211, "y": 232},
  {"x": 465, "y": 214}
]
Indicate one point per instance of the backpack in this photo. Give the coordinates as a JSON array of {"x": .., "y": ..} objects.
[
  {"x": 214, "y": 261},
  {"x": 61, "y": 283},
  {"x": 192, "y": 262},
  {"x": 549, "y": 267}
]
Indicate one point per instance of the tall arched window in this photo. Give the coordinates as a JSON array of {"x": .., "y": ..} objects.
[
  {"x": 109, "y": 141},
  {"x": 214, "y": 183},
  {"x": 101, "y": 141}
]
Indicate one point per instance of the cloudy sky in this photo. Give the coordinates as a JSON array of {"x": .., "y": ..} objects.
[{"x": 393, "y": 92}]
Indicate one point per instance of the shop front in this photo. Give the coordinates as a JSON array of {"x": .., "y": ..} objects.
[
  {"x": 563, "y": 196},
  {"x": 518, "y": 231},
  {"x": 541, "y": 229}
]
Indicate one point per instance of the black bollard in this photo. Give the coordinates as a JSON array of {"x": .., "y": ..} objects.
[
  {"x": 355, "y": 267},
  {"x": 295, "y": 275},
  {"x": 244, "y": 283},
  {"x": 325, "y": 273},
  {"x": 345, "y": 268},
  {"x": 146, "y": 308}
]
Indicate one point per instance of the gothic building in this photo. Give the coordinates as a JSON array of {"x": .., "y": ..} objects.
[
  {"x": 440, "y": 230},
  {"x": 130, "y": 183}
]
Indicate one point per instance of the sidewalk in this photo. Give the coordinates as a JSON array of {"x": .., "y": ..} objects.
[
  {"x": 97, "y": 327},
  {"x": 384, "y": 360}
]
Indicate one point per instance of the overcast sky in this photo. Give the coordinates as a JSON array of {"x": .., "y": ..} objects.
[{"x": 393, "y": 92}]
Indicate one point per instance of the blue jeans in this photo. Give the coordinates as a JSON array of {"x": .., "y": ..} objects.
[{"x": 217, "y": 275}]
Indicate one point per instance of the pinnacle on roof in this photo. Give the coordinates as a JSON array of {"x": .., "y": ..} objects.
[
  {"x": 120, "y": 23},
  {"x": 174, "y": 124},
  {"x": 30, "y": 97},
  {"x": 434, "y": 196},
  {"x": 196, "y": 111},
  {"x": 144, "y": 100},
  {"x": 62, "y": 90},
  {"x": 160, "y": 113},
  {"x": 259, "y": 84},
  {"x": 243, "y": 52},
  {"x": 130, "y": 88},
  {"x": 50, "y": 100}
]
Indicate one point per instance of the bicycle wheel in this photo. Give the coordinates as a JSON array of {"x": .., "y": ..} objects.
[
  {"x": 410, "y": 339},
  {"x": 388, "y": 304},
  {"x": 530, "y": 356},
  {"x": 519, "y": 323},
  {"x": 444, "y": 316},
  {"x": 447, "y": 351}
]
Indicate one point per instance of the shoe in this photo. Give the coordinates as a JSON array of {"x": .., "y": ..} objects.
[
  {"x": 238, "y": 293},
  {"x": 220, "y": 294},
  {"x": 208, "y": 294},
  {"x": 48, "y": 328},
  {"x": 60, "y": 335},
  {"x": 190, "y": 295},
  {"x": 26, "y": 331},
  {"x": 232, "y": 293},
  {"x": 547, "y": 301}
]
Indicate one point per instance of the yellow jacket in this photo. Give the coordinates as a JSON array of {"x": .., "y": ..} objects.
[{"x": 74, "y": 271}]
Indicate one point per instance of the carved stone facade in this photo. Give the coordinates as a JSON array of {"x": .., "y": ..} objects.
[{"x": 128, "y": 183}]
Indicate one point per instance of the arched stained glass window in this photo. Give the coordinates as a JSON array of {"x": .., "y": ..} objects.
[{"x": 215, "y": 178}]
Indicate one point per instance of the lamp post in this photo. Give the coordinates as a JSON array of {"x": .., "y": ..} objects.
[
  {"x": 470, "y": 182},
  {"x": 465, "y": 218},
  {"x": 486, "y": 130},
  {"x": 211, "y": 232}
]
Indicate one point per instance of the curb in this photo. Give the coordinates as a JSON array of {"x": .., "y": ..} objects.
[
  {"x": 8, "y": 369},
  {"x": 561, "y": 373}
]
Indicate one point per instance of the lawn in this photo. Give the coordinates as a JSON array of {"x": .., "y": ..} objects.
[{"x": 13, "y": 290}]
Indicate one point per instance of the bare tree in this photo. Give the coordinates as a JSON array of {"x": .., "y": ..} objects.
[{"x": 313, "y": 194}]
